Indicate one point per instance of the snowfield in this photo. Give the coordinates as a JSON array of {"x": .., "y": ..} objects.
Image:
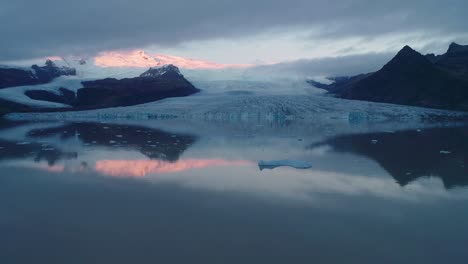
[{"x": 16, "y": 94}]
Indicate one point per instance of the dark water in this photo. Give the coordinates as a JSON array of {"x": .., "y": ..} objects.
[{"x": 109, "y": 193}]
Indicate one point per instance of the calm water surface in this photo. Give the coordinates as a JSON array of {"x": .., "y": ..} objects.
[{"x": 143, "y": 193}]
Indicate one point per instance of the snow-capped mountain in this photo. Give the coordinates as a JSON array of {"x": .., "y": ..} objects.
[
  {"x": 10, "y": 76},
  {"x": 140, "y": 59},
  {"x": 83, "y": 91},
  {"x": 155, "y": 72}
]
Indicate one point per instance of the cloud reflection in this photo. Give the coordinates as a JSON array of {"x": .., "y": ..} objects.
[{"x": 141, "y": 168}]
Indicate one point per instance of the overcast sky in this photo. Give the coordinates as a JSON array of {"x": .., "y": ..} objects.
[{"x": 241, "y": 31}]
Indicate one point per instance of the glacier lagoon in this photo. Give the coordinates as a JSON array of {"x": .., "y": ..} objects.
[{"x": 178, "y": 191}]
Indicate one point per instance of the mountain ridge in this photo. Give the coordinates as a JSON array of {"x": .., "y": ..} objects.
[
  {"x": 11, "y": 77},
  {"x": 411, "y": 78},
  {"x": 152, "y": 85}
]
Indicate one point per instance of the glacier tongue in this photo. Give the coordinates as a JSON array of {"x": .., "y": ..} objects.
[{"x": 255, "y": 107}]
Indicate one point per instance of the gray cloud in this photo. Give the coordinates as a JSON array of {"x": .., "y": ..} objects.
[
  {"x": 326, "y": 67},
  {"x": 48, "y": 27}
]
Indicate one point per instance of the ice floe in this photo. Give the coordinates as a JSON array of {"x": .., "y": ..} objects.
[{"x": 272, "y": 164}]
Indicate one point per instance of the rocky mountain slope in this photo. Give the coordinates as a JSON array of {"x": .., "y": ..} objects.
[
  {"x": 10, "y": 77},
  {"x": 152, "y": 85},
  {"x": 413, "y": 79}
]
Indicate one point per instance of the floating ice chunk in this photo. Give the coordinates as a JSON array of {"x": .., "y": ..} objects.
[
  {"x": 445, "y": 152},
  {"x": 271, "y": 164},
  {"x": 374, "y": 141},
  {"x": 23, "y": 143},
  {"x": 47, "y": 149}
]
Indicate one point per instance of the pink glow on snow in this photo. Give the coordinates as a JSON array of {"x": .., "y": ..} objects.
[
  {"x": 141, "y": 168},
  {"x": 138, "y": 58},
  {"x": 53, "y": 58}
]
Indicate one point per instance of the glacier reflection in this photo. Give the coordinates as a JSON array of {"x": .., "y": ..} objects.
[{"x": 346, "y": 165}]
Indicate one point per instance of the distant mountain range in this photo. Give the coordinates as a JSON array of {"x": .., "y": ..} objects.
[
  {"x": 10, "y": 77},
  {"x": 152, "y": 85},
  {"x": 411, "y": 78}
]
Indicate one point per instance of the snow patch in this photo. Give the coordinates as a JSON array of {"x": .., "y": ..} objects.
[
  {"x": 16, "y": 94},
  {"x": 155, "y": 72}
]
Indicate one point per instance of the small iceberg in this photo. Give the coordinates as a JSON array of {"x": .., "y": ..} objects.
[{"x": 271, "y": 164}]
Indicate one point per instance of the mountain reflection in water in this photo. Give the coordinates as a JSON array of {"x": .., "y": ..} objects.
[
  {"x": 124, "y": 193},
  {"x": 406, "y": 155},
  {"x": 163, "y": 149},
  {"x": 409, "y": 155},
  {"x": 153, "y": 143}
]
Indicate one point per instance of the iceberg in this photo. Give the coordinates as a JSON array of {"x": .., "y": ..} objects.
[{"x": 272, "y": 164}]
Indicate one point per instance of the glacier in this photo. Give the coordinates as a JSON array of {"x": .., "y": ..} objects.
[
  {"x": 255, "y": 107},
  {"x": 227, "y": 94}
]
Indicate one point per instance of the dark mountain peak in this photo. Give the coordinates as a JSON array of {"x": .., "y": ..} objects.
[
  {"x": 406, "y": 58},
  {"x": 166, "y": 70},
  {"x": 50, "y": 71},
  {"x": 407, "y": 51},
  {"x": 154, "y": 84},
  {"x": 413, "y": 79},
  {"x": 457, "y": 48},
  {"x": 50, "y": 64}
]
